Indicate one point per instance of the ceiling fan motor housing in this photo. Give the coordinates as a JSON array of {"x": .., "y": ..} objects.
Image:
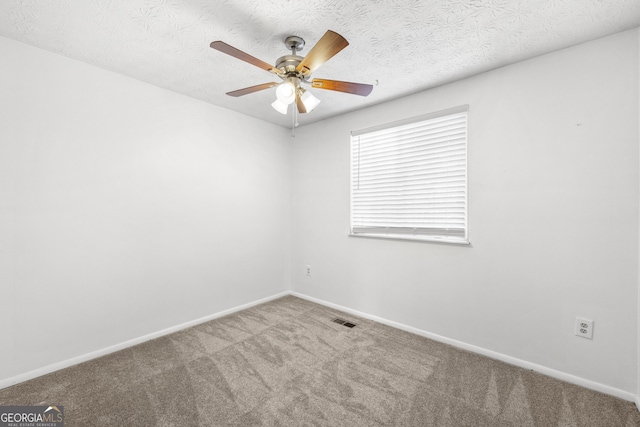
[{"x": 288, "y": 63}]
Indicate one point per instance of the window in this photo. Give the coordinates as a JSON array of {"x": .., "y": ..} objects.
[{"x": 409, "y": 178}]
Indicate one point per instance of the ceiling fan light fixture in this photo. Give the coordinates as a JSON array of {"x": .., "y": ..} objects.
[
  {"x": 280, "y": 106},
  {"x": 310, "y": 102},
  {"x": 286, "y": 92},
  {"x": 295, "y": 70}
]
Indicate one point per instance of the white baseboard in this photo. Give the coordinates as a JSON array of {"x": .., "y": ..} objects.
[
  {"x": 563, "y": 376},
  {"x": 121, "y": 346}
]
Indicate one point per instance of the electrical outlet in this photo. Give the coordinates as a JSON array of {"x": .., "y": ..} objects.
[
  {"x": 584, "y": 328},
  {"x": 308, "y": 270}
]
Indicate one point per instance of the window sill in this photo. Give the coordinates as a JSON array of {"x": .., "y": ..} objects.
[{"x": 419, "y": 239}]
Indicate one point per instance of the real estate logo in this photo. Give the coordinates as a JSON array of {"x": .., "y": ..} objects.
[{"x": 31, "y": 416}]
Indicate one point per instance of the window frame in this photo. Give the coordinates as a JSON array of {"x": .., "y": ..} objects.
[{"x": 403, "y": 233}]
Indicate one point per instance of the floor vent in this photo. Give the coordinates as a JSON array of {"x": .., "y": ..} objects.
[{"x": 344, "y": 323}]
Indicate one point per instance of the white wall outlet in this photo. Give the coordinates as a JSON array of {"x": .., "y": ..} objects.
[
  {"x": 584, "y": 328},
  {"x": 308, "y": 270}
]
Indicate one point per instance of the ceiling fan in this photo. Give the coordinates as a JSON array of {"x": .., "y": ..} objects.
[{"x": 295, "y": 71}]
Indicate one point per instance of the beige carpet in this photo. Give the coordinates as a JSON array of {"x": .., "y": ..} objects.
[{"x": 286, "y": 363}]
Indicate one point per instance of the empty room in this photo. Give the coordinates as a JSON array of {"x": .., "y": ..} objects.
[{"x": 332, "y": 213}]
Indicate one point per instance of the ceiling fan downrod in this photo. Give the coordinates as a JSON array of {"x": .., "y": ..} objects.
[{"x": 288, "y": 63}]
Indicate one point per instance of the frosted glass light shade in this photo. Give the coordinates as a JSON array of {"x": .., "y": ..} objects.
[
  {"x": 280, "y": 106},
  {"x": 286, "y": 92},
  {"x": 310, "y": 102}
]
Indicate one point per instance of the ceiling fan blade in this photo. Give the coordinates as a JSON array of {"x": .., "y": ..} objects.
[
  {"x": 237, "y": 53},
  {"x": 301, "y": 108},
  {"x": 248, "y": 90},
  {"x": 347, "y": 87},
  {"x": 330, "y": 44}
]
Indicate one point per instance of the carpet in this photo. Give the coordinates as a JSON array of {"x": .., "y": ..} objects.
[{"x": 287, "y": 363}]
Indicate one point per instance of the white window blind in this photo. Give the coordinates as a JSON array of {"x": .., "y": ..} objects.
[{"x": 409, "y": 178}]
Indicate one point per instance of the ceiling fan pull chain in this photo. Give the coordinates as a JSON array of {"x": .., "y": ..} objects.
[{"x": 293, "y": 125}]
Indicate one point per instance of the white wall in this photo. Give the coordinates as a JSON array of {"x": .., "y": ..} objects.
[
  {"x": 638, "y": 309},
  {"x": 554, "y": 210},
  {"x": 117, "y": 217},
  {"x": 126, "y": 209}
]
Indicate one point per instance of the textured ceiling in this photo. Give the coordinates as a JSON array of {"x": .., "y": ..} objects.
[{"x": 400, "y": 46}]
